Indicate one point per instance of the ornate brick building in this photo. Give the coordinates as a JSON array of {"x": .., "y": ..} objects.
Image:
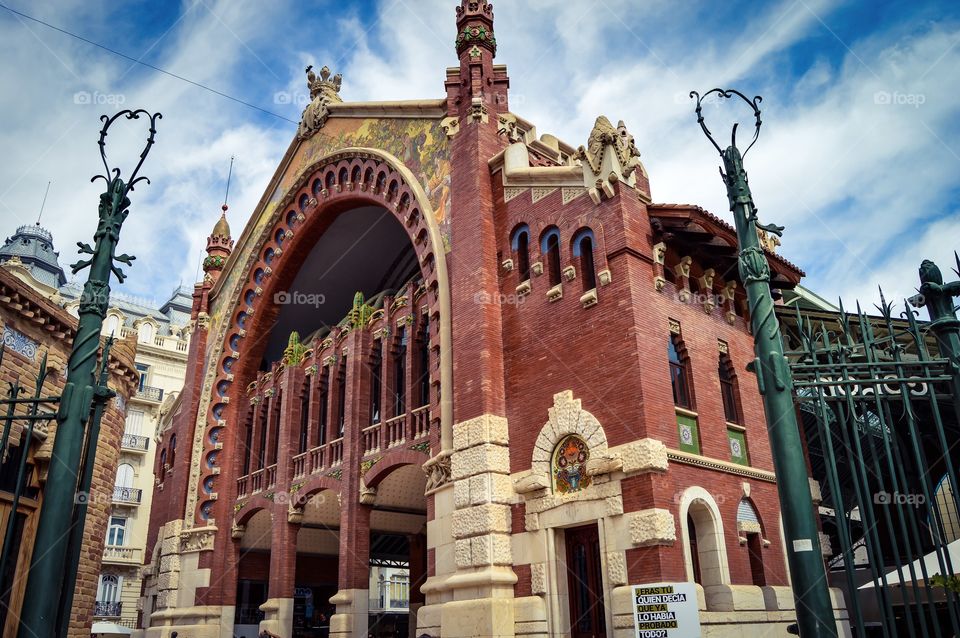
[
  {"x": 34, "y": 327},
  {"x": 513, "y": 375}
]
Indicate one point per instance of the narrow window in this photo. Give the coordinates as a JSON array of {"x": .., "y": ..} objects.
[
  {"x": 163, "y": 464},
  {"x": 116, "y": 531},
  {"x": 728, "y": 389},
  {"x": 679, "y": 373},
  {"x": 583, "y": 248},
  {"x": 424, "y": 357},
  {"x": 550, "y": 246},
  {"x": 262, "y": 452},
  {"x": 342, "y": 397},
  {"x": 324, "y": 401},
  {"x": 376, "y": 383},
  {"x": 520, "y": 242},
  {"x": 400, "y": 373},
  {"x": 173, "y": 449},
  {"x": 247, "y": 442},
  {"x": 276, "y": 428},
  {"x": 304, "y": 419}
]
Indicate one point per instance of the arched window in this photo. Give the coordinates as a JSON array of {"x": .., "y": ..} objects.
[
  {"x": 248, "y": 441},
  {"x": 163, "y": 463},
  {"x": 342, "y": 397},
  {"x": 173, "y": 449},
  {"x": 583, "y": 249},
  {"x": 569, "y": 466},
  {"x": 520, "y": 243},
  {"x": 550, "y": 248},
  {"x": 749, "y": 528},
  {"x": 109, "y": 589},
  {"x": 679, "y": 373},
  {"x": 124, "y": 475},
  {"x": 728, "y": 389}
]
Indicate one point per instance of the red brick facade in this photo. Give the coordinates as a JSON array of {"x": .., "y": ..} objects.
[{"x": 514, "y": 345}]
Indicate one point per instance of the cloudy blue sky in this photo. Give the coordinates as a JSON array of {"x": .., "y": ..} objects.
[{"x": 859, "y": 157}]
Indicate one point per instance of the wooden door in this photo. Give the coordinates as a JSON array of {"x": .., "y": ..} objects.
[{"x": 585, "y": 583}]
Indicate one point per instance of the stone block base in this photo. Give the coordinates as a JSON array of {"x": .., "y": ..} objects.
[
  {"x": 278, "y": 616},
  {"x": 351, "y": 619},
  {"x": 196, "y": 622}
]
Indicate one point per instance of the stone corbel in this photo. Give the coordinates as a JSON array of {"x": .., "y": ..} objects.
[
  {"x": 604, "y": 277},
  {"x": 604, "y": 464},
  {"x": 450, "y": 126},
  {"x": 730, "y": 311},
  {"x": 682, "y": 270},
  {"x": 478, "y": 111},
  {"x": 555, "y": 293},
  {"x": 659, "y": 256},
  {"x": 237, "y": 530},
  {"x": 524, "y": 288},
  {"x": 537, "y": 268},
  {"x": 589, "y": 298},
  {"x": 295, "y": 515},
  {"x": 507, "y": 265},
  {"x": 530, "y": 483},
  {"x": 368, "y": 495},
  {"x": 569, "y": 273}
]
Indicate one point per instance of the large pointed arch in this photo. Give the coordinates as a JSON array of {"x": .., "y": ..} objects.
[{"x": 339, "y": 181}]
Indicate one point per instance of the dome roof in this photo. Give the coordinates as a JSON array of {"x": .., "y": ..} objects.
[
  {"x": 33, "y": 244},
  {"x": 222, "y": 228}
]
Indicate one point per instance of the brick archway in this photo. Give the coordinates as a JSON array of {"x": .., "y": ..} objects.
[
  {"x": 346, "y": 179},
  {"x": 391, "y": 462}
]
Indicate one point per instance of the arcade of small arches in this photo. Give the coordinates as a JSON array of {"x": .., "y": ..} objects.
[{"x": 582, "y": 246}]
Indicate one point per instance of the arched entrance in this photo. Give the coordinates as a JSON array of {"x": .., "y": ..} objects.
[{"x": 348, "y": 263}]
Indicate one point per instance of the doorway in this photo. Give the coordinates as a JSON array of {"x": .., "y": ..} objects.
[{"x": 585, "y": 582}]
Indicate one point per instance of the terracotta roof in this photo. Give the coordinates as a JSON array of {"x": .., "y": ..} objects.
[{"x": 699, "y": 212}]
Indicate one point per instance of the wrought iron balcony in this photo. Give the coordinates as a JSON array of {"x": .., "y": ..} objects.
[
  {"x": 106, "y": 609},
  {"x": 127, "y": 495},
  {"x": 150, "y": 393},
  {"x": 135, "y": 442}
]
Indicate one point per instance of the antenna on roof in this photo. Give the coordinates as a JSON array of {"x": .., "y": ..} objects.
[
  {"x": 229, "y": 175},
  {"x": 42, "y": 205}
]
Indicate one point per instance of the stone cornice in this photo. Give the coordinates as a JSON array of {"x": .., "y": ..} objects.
[
  {"x": 679, "y": 456},
  {"x": 434, "y": 109}
]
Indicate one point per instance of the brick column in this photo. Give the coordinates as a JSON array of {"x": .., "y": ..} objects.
[
  {"x": 354, "y": 566},
  {"x": 283, "y": 539}
]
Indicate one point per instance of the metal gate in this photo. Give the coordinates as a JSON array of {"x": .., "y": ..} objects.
[{"x": 879, "y": 402}]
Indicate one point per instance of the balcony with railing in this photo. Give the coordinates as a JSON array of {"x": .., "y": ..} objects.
[
  {"x": 107, "y": 609},
  {"x": 135, "y": 442},
  {"x": 127, "y": 495},
  {"x": 119, "y": 555},
  {"x": 150, "y": 393}
]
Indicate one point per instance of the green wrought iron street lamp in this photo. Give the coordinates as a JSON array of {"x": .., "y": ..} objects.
[
  {"x": 810, "y": 587},
  {"x": 53, "y": 568}
]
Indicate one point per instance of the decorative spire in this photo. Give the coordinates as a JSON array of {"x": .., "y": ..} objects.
[
  {"x": 475, "y": 28},
  {"x": 219, "y": 243}
]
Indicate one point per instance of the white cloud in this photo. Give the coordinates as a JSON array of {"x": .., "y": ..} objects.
[{"x": 850, "y": 178}]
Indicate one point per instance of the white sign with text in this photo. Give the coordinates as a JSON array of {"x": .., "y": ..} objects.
[{"x": 666, "y": 610}]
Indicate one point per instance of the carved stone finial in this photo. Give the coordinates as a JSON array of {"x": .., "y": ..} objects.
[
  {"x": 324, "y": 91},
  {"x": 294, "y": 352},
  {"x": 610, "y": 155}
]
